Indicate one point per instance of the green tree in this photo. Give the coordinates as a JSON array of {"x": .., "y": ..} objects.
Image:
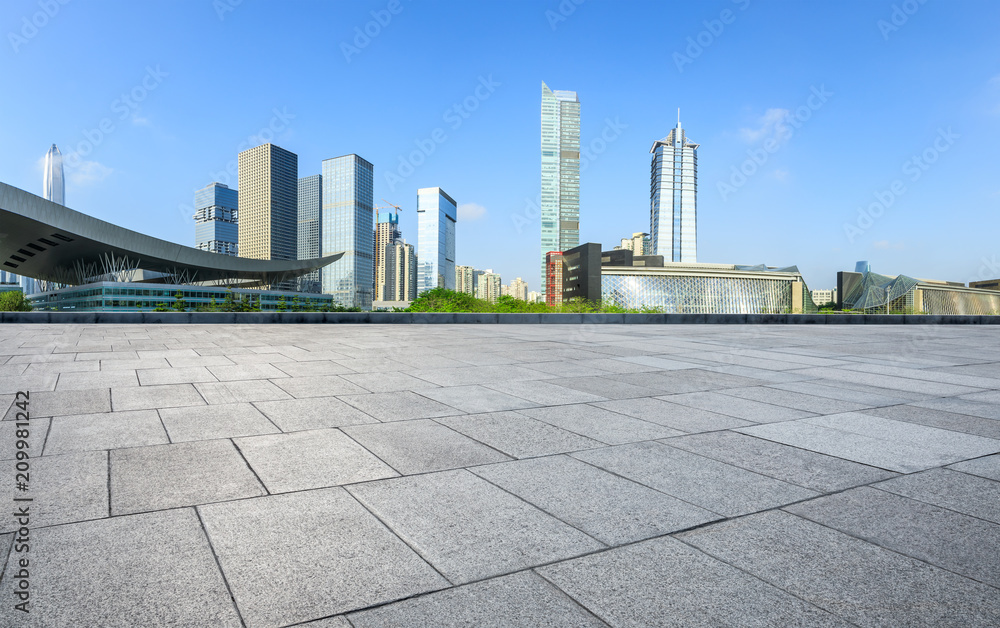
[
  {"x": 14, "y": 301},
  {"x": 282, "y": 305},
  {"x": 161, "y": 307},
  {"x": 296, "y": 304},
  {"x": 179, "y": 305}
]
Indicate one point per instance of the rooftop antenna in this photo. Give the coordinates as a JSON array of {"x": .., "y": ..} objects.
[{"x": 678, "y": 116}]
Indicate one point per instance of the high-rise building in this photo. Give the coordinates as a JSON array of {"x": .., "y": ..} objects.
[
  {"x": 673, "y": 197},
  {"x": 639, "y": 244},
  {"x": 465, "y": 279},
  {"x": 535, "y": 297},
  {"x": 553, "y": 278},
  {"x": 560, "y": 172},
  {"x": 386, "y": 232},
  {"x": 348, "y": 202},
  {"x": 216, "y": 218},
  {"x": 517, "y": 289},
  {"x": 310, "y": 231},
  {"x": 436, "y": 216},
  {"x": 400, "y": 272},
  {"x": 488, "y": 286},
  {"x": 268, "y": 203},
  {"x": 54, "y": 185}
]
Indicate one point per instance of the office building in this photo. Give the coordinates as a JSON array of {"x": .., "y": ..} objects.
[
  {"x": 987, "y": 284},
  {"x": 216, "y": 218},
  {"x": 310, "y": 229},
  {"x": 436, "y": 216},
  {"x": 465, "y": 279},
  {"x": 488, "y": 286},
  {"x": 822, "y": 297},
  {"x": 268, "y": 202},
  {"x": 553, "y": 278},
  {"x": 560, "y": 210},
  {"x": 386, "y": 232},
  {"x": 535, "y": 297},
  {"x": 347, "y": 222},
  {"x": 400, "y": 273},
  {"x": 673, "y": 197},
  {"x": 639, "y": 244},
  {"x": 53, "y": 182}
]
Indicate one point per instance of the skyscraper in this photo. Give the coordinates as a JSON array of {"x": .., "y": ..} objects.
[
  {"x": 465, "y": 279},
  {"x": 400, "y": 272},
  {"x": 310, "y": 227},
  {"x": 673, "y": 192},
  {"x": 268, "y": 203},
  {"x": 488, "y": 286},
  {"x": 386, "y": 233},
  {"x": 347, "y": 226},
  {"x": 216, "y": 218},
  {"x": 52, "y": 181},
  {"x": 436, "y": 216},
  {"x": 560, "y": 172}
]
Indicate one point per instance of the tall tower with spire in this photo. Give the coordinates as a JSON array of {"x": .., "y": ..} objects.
[
  {"x": 673, "y": 197},
  {"x": 53, "y": 184},
  {"x": 560, "y": 211}
]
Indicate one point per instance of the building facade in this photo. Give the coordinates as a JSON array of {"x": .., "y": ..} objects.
[
  {"x": 639, "y": 244},
  {"x": 488, "y": 286},
  {"x": 822, "y": 297},
  {"x": 53, "y": 181},
  {"x": 348, "y": 203},
  {"x": 436, "y": 216},
  {"x": 216, "y": 219},
  {"x": 268, "y": 203},
  {"x": 517, "y": 289},
  {"x": 310, "y": 232},
  {"x": 386, "y": 232},
  {"x": 673, "y": 197},
  {"x": 400, "y": 272},
  {"x": 465, "y": 279},
  {"x": 553, "y": 278},
  {"x": 560, "y": 208}
]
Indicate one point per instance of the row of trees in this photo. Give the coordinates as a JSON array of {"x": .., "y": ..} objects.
[{"x": 247, "y": 303}]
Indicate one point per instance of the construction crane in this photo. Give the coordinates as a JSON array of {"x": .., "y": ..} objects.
[{"x": 387, "y": 205}]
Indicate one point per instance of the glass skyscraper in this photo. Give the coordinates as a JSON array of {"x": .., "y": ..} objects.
[
  {"x": 347, "y": 226},
  {"x": 53, "y": 182},
  {"x": 436, "y": 216},
  {"x": 310, "y": 227},
  {"x": 216, "y": 215},
  {"x": 673, "y": 197},
  {"x": 560, "y": 172},
  {"x": 268, "y": 203}
]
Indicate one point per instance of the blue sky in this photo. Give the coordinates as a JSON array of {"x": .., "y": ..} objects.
[{"x": 896, "y": 161}]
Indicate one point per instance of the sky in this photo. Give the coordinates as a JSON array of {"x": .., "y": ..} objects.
[{"x": 831, "y": 131}]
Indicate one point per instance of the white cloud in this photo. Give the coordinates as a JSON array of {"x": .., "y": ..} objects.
[
  {"x": 471, "y": 211},
  {"x": 769, "y": 127},
  {"x": 89, "y": 172}
]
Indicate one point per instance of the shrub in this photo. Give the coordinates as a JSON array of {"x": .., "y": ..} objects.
[{"x": 14, "y": 301}]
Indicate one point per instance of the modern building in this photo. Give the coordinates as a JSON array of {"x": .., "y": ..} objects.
[
  {"x": 553, "y": 288},
  {"x": 535, "y": 297},
  {"x": 673, "y": 197},
  {"x": 639, "y": 243},
  {"x": 822, "y": 297},
  {"x": 400, "y": 273},
  {"x": 517, "y": 289},
  {"x": 488, "y": 286},
  {"x": 436, "y": 216},
  {"x": 216, "y": 219},
  {"x": 386, "y": 232},
  {"x": 53, "y": 181},
  {"x": 348, "y": 203},
  {"x": 560, "y": 209},
  {"x": 988, "y": 284},
  {"x": 310, "y": 231},
  {"x": 873, "y": 293},
  {"x": 465, "y": 279},
  {"x": 268, "y": 203}
]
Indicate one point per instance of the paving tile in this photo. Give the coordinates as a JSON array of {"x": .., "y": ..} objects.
[
  {"x": 479, "y": 375},
  {"x": 672, "y": 415},
  {"x": 293, "y": 415},
  {"x": 542, "y": 392},
  {"x": 399, "y": 406},
  {"x": 856, "y": 580},
  {"x": 310, "y": 459},
  {"x": 517, "y": 435},
  {"x": 199, "y": 360},
  {"x": 521, "y": 599},
  {"x": 961, "y": 492},
  {"x": 871, "y": 397},
  {"x": 746, "y": 409},
  {"x": 245, "y": 371},
  {"x": 422, "y": 445},
  {"x": 224, "y": 421},
  {"x": 467, "y": 528},
  {"x": 184, "y": 474},
  {"x": 990, "y": 428},
  {"x": 44, "y": 368},
  {"x": 64, "y": 489},
  {"x": 710, "y": 484},
  {"x": 96, "y": 379},
  {"x": 60, "y": 403},
  {"x": 889, "y": 382},
  {"x": 609, "y": 508},
  {"x": 663, "y": 582},
  {"x": 30, "y": 383},
  {"x": 987, "y": 467},
  {"x": 133, "y": 364},
  {"x": 318, "y": 386},
  {"x": 476, "y": 398},
  {"x": 241, "y": 391},
  {"x": 153, "y": 397},
  {"x": 968, "y": 405},
  {"x": 390, "y": 381},
  {"x": 88, "y": 432},
  {"x": 600, "y": 424},
  {"x": 606, "y": 387},
  {"x": 313, "y": 368},
  {"x": 926, "y": 375},
  {"x": 789, "y": 464},
  {"x": 112, "y": 572},
  {"x": 176, "y": 375},
  {"x": 794, "y": 400},
  {"x": 945, "y": 538},
  {"x": 883, "y": 443},
  {"x": 331, "y": 554}
]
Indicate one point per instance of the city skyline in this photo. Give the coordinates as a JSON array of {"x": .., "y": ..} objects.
[{"x": 918, "y": 159}]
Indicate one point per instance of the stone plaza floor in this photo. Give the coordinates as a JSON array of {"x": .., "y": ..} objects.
[{"x": 503, "y": 475}]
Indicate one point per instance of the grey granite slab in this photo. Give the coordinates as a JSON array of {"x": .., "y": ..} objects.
[
  {"x": 606, "y": 387},
  {"x": 710, "y": 484},
  {"x": 61, "y": 403},
  {"x": 961, "y": 492},
  {"x": 542, "y": 392},
  {"x": 975, "y": 381},
  {"x": 199, "y": 360},
  {"x": 805, "y": 468},
  {"x": 175, "y": 375},
  {"x": 889, "y": 382},
  {"x": 318, "y": 386},
  {"x": 467, "y": 528},
  {"x": 390, "y": 381},
  {"x": 240, "y": 391},
  {"x": 870, "y": 396},
  {"x": 794, "y": 400},
  {"x": 663, "y": 582},
  {"x": 675, "y": 416},
  {"x": 95, "y": 379},
  {"x": 245, "y": 371},
  {"x": 517, "y": 435},
  {"x": 945, "y": 538},
  {"x": 64, "y": 489},
  {"x": 120, "y": 364},
  {"x": 422, "y": 445},
  {"x": 399, "y": 406},
  {"x": 183, "y": 474},
  {"x": 987, "y": 467},
  {"x": 967, "y": 404},
  {"x": 858, "y": 581},
  {"x": 609, "y": 508},
  {"x": 87, "y": 432},
  {"x": 469, "y": 375},
  {"x": 332, "y": 555},
  {"x": 600, "y": 424},
  {"x": 990, "y": 428},
  {"x": 313, "y": 368},
  {"x": 153, "y": 397},
  {"x": 310, "y": 459},
  {"x": 476, "y": 398},
  {"x": 746, "y": 409},
  {"x": 113, "y": 573},
  {"x": 223, "y": 421},
  {"x": 292, "y": 415},
  {"x": 43, "y": 368},
  {"x": 521, "y": 599}
]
